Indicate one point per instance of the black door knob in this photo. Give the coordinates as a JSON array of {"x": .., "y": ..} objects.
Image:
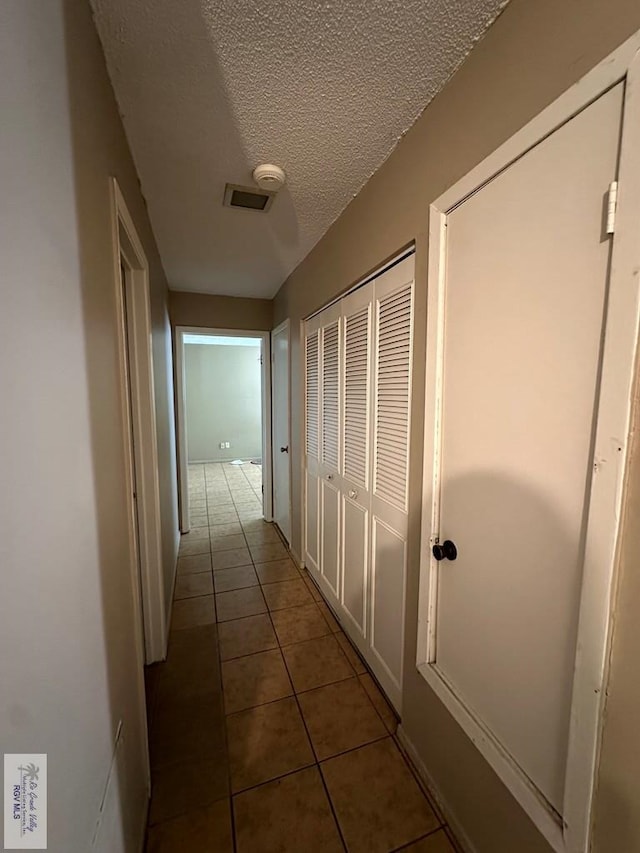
[
  {"x": 446, "y": 551},
  {"x": 284, "y": 449}
]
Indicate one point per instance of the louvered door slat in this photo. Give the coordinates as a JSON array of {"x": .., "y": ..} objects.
[
  {"x": 356, "y": 387},
  {"x": 312, "y": 387},
  {"x": 330, "y": 394},
  {"x": 392, "y": 396}
]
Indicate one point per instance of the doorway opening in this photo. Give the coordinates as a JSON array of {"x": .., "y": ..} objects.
[
  {"x": 132, "y": 300},
  {"x": 142, "y": 490},
  {"x": 281, "y": 456},
  {"x": 224, "y": 424}
]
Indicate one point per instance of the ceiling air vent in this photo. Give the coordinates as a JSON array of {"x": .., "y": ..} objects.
[{"x": 247, "y": 197}]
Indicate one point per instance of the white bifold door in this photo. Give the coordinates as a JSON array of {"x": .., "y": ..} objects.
[{"x": 358, "y": 355}]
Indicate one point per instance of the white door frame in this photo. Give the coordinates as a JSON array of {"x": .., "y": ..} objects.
[
  {"x": 135, "y": 366},
  {"x": 148, "y": 583},
  {"x": 183, "y": 465},
  {"x": 283, "y": 327},
  {"x": 302, "y": 331},
  {"x": 571, "y": 835}
]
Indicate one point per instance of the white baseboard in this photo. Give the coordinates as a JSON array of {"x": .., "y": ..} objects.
[
  {"x": 248, "y": 460},
  {"x": 169, "y": 604},
  {"x": 145, "y": 822},
  {"x": 299, "y": 562},
  {"x": 462, "y": 838},
  {"x": 169, "y": 610}
]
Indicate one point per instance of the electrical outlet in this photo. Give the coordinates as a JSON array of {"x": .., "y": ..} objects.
[
  {"x": 227, "y": 444},
  {"x": 222, "y": 445}
]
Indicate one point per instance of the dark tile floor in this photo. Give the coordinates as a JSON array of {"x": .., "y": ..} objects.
[{"x": 267, "y": 733}]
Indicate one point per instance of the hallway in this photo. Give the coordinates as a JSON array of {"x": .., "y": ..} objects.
[{"x": 266, "y": 731}]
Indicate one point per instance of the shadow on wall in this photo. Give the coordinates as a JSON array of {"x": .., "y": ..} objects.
[
  {"x": 99, "y": 150},
  {"x": 264, "y": 234},
  {"x": 215, "y": 152},
  {"x": 518, "y": 566}
]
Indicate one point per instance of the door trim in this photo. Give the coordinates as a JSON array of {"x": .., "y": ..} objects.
[
  {"x": 181, "y": 432},
  {"x": 135, "y": 367},
  {"x": 149, "y": 589},
  {"x": 571, "y": 833},
  {"x": 283, "y": 327}
]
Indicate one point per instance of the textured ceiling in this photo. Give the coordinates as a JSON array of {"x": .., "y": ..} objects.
[{"x": 323, "y": 88}]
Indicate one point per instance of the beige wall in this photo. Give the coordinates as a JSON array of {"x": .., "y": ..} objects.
[
  {"x": 220, "y": 312},
  {"x": 617, "y": 812},
  {"x": 533, "y": 53},
  {"x": 223, "y": 395},
  {"x": 68, "y": 670}
]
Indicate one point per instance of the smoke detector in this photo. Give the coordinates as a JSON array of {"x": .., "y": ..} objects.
[{"x": 269, "y": 177}]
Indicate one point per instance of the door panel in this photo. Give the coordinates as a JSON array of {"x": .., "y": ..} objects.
[
  {"x": 355, "y": 561},
  {"x": 356, "y": 417},
  {"x": 393, "y": 344},
  {"x": 312, "y": 398},
  {"x": 280, "y": 441},
  {"x": 312, "y": 521},
  {"x": 312, "y": 445},
  {"x": 329, "y": 321},
  {"x": 330, "y": 534},
  {"x": 388, "y": 594},
  {"x": 527, "y": 269},
  {"x": 393, "y": 395},
  {"x": 331, "y": 395},
  {"x": 357, "y": 379}
]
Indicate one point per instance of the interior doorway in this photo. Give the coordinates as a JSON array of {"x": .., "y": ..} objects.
[
  {"x": 224, "y": 411},
  {"x": 131, "y": 283},
  {"x": 281, "y": 434}
]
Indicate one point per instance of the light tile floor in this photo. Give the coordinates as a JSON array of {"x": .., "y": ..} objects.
[{"x": 267, "y": 733}]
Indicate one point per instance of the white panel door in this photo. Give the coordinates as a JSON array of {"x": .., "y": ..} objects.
[
  {"x": 393, "y": 342},
  {"x": 280, "y": 433},
  {"x": 312, "y": 446},
  {"x": 525, "y": 299},
  {"x": 330, "y": 449},
  {"x": 356, "y": 457}
]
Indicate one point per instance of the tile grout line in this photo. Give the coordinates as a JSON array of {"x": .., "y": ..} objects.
[
  {"x": 318, "y": 762},
  {"x": 314, "y": 763},
  {"x": 224, "y": 716},
  {"x": 294, "y": 695},
  {"x": 295, "y": 698},
  {"x": 389, "y": 734},
  {"x": 367, "y": 670},
  {"x": 417, "y": 840},
  {"x": 426, "y": 793},
  {"x": 309, "y": 739},
  {"x": 226, "y": 727}
]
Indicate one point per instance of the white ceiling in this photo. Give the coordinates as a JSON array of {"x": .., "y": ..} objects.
[{"x": 323, "y": 88}]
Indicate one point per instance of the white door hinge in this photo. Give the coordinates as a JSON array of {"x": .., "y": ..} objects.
[{"x": 612, "y": 204}]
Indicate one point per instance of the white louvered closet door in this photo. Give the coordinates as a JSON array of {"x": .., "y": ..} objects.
[
  {"x": 330, "y": 449},
  {"x": 312, "y": 444},
  {"x": 358, "y": 385},
  {"x": 393, "y": 341},
  {"x": 356, "y": 457}
]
